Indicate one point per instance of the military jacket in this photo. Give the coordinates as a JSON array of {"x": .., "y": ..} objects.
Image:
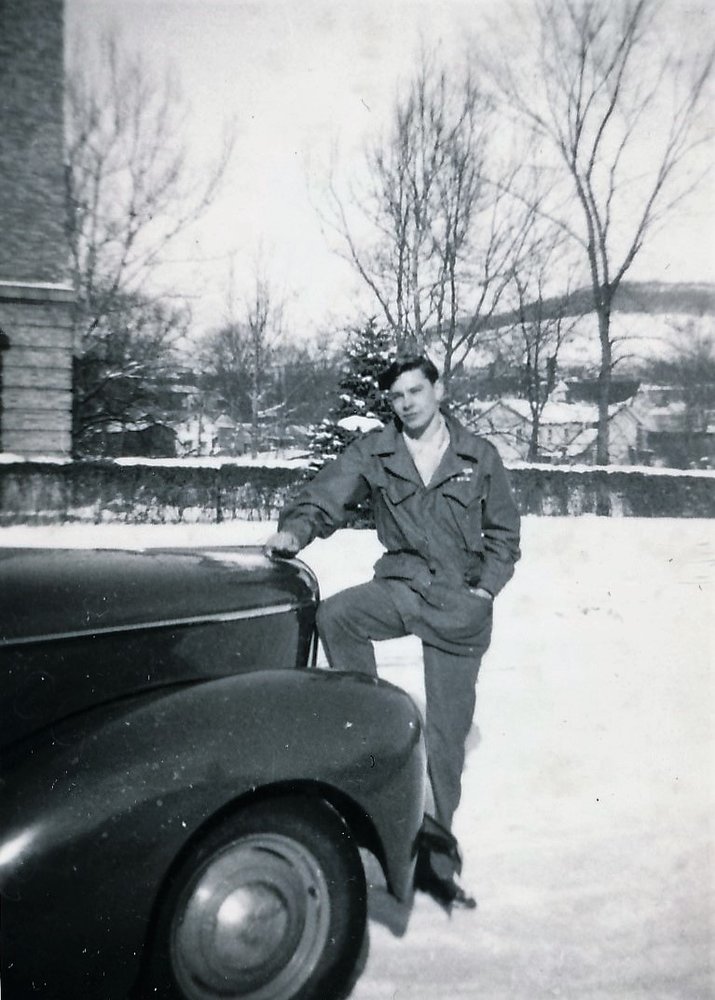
[{"x": 458, "y": 532}]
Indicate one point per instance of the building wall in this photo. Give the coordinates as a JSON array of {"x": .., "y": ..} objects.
[
  {"x": 35, "y": 296},
  {"x": 31, "y": 151},
  {"x": 36, "y": 371},
  {"x": 623, "y": 438}
]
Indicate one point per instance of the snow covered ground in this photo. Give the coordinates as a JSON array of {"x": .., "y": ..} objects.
[{"x": 587, "y": 813}]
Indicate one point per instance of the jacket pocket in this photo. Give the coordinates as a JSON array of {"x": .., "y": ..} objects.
[{"x": 464, "y": 500}]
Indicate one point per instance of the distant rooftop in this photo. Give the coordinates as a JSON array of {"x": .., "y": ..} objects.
[{"x": 554, "y": 413}]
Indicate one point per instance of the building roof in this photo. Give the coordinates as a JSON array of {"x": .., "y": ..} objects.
[{"x": 555, "y": 413}]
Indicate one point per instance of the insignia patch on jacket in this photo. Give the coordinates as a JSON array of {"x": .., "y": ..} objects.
[{"x": 465, "y": 476}]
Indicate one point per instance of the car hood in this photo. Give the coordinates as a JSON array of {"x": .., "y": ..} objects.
[
  {"x": 52, "y": 593},
  {"x": 80, "y": 629}
]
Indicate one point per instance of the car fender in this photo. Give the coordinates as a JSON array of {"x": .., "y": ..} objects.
[{"x": 97, "y": 809}]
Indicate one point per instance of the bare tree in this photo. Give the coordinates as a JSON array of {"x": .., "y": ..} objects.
[
  {"x": 622, "y": 119},
  {"x": 131, "y": 191},
  {"x": 541, "y": 325},
  {"x": 442, "y": 227},
  {"x": 126, "y": 377},
  {"x": 295, "y": 385},
  {"x": 239, "y": 357},
  {"x": 224, "y": 365},
  {"x": 264, "y": 325},
  {"x": 307, "y": 375}
]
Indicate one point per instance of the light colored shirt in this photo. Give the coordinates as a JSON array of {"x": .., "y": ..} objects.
[{"x": 427, "y": 452}]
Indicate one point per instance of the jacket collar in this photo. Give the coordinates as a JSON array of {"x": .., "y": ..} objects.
[
  {"x": 385, "y": 440},
  {"x": 463, "y": 442},
  {"x": 388, "y": 440},
  {"x": 389, "y": 446}
]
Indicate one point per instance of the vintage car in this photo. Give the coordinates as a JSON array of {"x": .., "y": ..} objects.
[{"x": 183, "y": 795}]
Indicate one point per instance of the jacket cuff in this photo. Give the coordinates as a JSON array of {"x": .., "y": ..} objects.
[
  {"x": 299, "y": 528},
  {"x": 494, "y": 578}
]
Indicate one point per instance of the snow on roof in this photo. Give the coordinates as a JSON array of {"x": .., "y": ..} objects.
[
  {"x": 583, "y": 440},
  {"x": 480, "y": 405},
  {"x": 554, "y": 413}
]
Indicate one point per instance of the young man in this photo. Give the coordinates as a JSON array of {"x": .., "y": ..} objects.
[{"x": 445, "y": 514}]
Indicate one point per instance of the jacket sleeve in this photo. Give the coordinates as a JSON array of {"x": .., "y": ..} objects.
[
  {"x": 500, "y": 527},
  {"x": 324, "y": 504}
]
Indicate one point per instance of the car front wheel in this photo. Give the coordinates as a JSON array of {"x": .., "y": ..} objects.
[{"x": 272, "y": 906}]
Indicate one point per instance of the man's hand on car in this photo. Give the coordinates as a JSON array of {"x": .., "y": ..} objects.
[{"x": 283, "y": 544}]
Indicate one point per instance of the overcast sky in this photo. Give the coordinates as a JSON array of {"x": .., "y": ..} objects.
[{"x": 300, "y": 78}]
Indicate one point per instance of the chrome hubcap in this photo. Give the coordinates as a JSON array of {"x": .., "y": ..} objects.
[{"x": 253, "y": 923}]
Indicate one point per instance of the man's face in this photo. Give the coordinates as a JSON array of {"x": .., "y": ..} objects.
[{"x": 415, "y": 400}]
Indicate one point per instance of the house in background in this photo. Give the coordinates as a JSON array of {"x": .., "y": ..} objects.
[
  {"x": 201, "y": 434},
  {"x": 232, "y": 438},
  {"x": 147, "y": 440},
  {"x": 567, "y": 430},
  {"x": 675, "y": 434},
  {"x": 35, "y": 295}
]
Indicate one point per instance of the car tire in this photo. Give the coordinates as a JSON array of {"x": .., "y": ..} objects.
[{"x": 271, "y": 905}]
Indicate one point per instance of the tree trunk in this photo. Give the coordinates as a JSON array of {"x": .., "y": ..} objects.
[
  {"x": 254, "y": 417},
  {"x": 604, "y": 384},
  {"x": 533, "y": 455}
]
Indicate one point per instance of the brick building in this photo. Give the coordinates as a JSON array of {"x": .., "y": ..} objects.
[{"x": 35, "y": 294}]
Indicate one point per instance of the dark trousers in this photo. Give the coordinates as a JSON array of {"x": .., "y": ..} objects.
[{"x": 347, "y": 624}]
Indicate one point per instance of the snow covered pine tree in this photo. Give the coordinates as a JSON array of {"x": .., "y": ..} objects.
[{"x": 360, "y": 404}]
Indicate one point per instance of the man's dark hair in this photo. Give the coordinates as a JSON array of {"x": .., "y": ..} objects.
[{"x": 407, "y": 363}]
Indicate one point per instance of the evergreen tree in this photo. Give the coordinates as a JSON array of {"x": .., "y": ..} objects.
[{"x": 368, "y": 351}]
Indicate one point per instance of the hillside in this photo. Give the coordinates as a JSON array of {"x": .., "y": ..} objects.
[
  {"x": 652, "y": 298},
  {"x": 649, "y": 319}
]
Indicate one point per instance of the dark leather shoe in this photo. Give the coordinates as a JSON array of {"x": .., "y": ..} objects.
[
  {"x": 445, "y": 891},
  {"x": 435, "y": 838}
]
